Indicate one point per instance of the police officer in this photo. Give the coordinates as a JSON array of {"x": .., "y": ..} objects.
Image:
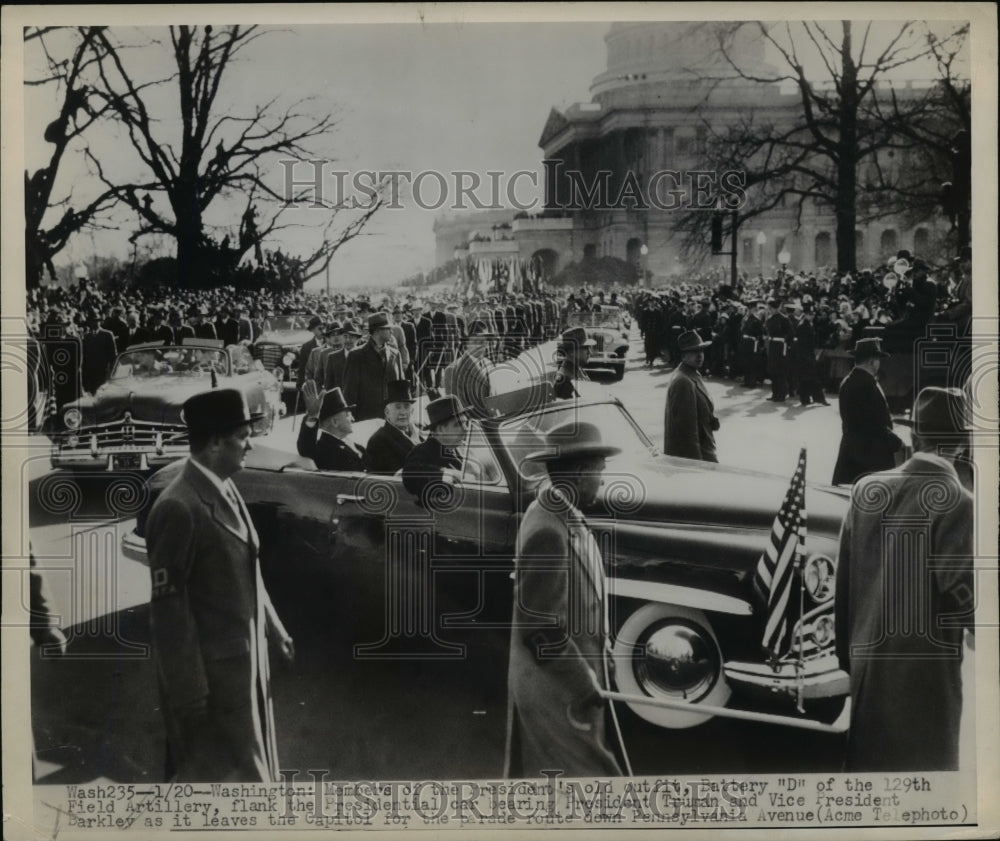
[{"x": 779, "y": 332}]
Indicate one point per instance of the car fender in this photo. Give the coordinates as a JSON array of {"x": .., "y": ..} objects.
[{"x": 648, "y": 591}]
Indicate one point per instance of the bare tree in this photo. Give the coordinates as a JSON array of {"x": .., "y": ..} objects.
[
  {"x": 44, "y": 235},
  {"x": 851, "y": 117},
  {"x": 218, "y": 155}
]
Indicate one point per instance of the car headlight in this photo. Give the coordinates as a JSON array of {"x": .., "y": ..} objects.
[
  {"x": 72, "y": 418},
  {"x": 819, "y": 575},
  {"x": 288, "y": 359},
  {"x": 823, "y": 631}
]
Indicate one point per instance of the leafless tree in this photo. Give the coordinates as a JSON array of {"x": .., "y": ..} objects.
[
  {"x": 852, "y": 117},
  {"x": 50, "y": 219},
  {"x": 218, "y": 155}
]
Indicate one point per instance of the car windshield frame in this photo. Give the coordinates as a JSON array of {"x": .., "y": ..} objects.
[
  {"x": 524, "y": 434},
  {"x": 171, "y": 361},
  {"x": 609, "y": 316},
  {"x": 296, "y": 323}
]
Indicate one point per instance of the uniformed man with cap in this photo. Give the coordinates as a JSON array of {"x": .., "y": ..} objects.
[
  {"x": 391, "y": 443},
  {"x": 325, "y": 435},
  {"x": 210, "y": 613},
  {"x": 319, "y": 333},
  {"x": 559, "y": 632},
  {"x": 574, "y": 347},
  {"x": 468, "y": 377},
  {"x": 779, "y": 333}
]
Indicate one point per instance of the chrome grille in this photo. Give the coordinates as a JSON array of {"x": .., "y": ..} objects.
[{"x": 127, "y": 435}]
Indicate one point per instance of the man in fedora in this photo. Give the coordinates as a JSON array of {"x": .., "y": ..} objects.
[
  {"x": 391, "y": 443},
  {"x": 574, "y": 347},
  {"x": 370, "y": 367},
  {"x": 556, "y": 718},
  {"x": 316, "y": 363},
  {"x": 902, "y": 604},
  {"x": 329, "y": 415},
  {"x": 689, "y": 417},
  {"x": 468, "y": 376},
  {"x": 440, "y": 459},
  {"x": 209, "y": 610},
  {"x": 868, "y": 443}
]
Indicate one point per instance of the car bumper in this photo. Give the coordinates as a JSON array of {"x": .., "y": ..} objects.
[
  {"x": 820, "y": 677},
  {"x": 111, "y": 460}
]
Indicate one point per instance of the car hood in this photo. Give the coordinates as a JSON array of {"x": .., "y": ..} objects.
[
  {"x": 666, "y": 490},
  {"x": 160, "y": 403},
  {"x": 287, "y": 338}
]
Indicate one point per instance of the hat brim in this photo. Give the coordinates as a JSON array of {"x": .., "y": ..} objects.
[
  {"x": 879, "y": 355},
  {"x": 571, "y": 452},
  {"x": 462, "y": 414},
  {"x": 700, "y": 346},
  {"x": 220, "y": 430}
]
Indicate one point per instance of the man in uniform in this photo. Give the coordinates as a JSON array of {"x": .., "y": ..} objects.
[
  {"x": 779, "y": 333},
  {"x": 391, "y": 443},
  {"x": 906, "y": 683},
  {"x": 868, "y": 443},
  {"x": 335, "y": 362},
  {"x": 556, "y": 717},
  {"x": 468, "y": 376},
  {"x": 209, "y": 610},
  {"x": 804, "y": 359},
  {"x": 574, "y": 345},
  {"x": 333, "y": 448},
  {"x": 319, "y": 332},
  {"x": 689, "y": 416}
]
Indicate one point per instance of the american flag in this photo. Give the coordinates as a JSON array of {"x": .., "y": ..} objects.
[{"x": 774, "y": 576}]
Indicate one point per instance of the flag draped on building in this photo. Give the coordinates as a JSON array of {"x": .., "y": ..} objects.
[{"x": 774, "y": 578}]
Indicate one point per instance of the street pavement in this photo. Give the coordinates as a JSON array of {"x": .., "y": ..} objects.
[{"x": 96, "y": 715}]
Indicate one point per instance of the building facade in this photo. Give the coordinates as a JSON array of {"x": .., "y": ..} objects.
[{"x": 666, "y": 84}]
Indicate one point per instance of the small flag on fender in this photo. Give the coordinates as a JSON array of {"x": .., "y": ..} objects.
[{"x": 774, "y": 577}]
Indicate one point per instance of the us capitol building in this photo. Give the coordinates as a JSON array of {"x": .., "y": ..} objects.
[{"x": 648, "y": 113}]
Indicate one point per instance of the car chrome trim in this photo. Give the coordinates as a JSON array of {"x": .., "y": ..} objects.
[{"x": 652, "y": 591}]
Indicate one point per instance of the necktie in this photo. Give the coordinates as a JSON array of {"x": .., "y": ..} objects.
[{"x": 237, "y": 509}]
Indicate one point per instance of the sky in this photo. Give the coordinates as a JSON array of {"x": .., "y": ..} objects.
[{"x": 411, "y": 97}]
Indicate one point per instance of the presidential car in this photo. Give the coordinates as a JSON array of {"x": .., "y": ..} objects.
[
  {"x": 680, "y": 542},
  {"x": 134, "y": 422},
  {"x": 608, "y": 326}
]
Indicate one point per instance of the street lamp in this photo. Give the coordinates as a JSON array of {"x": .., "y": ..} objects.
[
  {"x": 761, "y": 242},
  {"x": 643, "y": 251},
  {"x": 784, "y": 258}
]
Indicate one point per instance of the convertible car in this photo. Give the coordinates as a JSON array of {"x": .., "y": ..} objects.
[
  {"x": 133, "y": 421},
  {"x": 608, "y": 327},
  {"x": 680, "y": 541}
]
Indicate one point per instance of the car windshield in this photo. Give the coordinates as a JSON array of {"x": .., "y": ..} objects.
[
  {"x": 170, "y": 361},
  {"x": 286, "y": 322},
  {"x": 526, "y": 434},
  {"x": 601, "y": 316}
]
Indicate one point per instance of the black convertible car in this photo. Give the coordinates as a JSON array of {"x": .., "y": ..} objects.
[{"x": 680, "y": 541}]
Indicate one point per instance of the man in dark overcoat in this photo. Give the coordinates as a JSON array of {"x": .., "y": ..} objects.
[
  {"x": 779, "y": 333},
  {"x": 439, "y": 459},
  {"x": 468, "y": 376},
  {"x": 689, "y": 415},
  {"x": 370, "y": 367},
  {"x": 209, "y": 611},
  {"x": 574, "y": 347},
  {"x": 804, "y": 359},
  {"x": 325, "y": 434},
  {"x": 868, "y": 443},
  {"x": 556, "y": 717},
  {"x": 902, "y": 605},
  {"x": 391, "y": 443}
]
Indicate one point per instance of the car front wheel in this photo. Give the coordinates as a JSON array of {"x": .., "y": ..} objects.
[{"x": 671, "y": 653}]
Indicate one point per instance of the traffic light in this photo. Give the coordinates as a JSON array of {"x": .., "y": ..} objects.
[{"x": 716, "y": 233}]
